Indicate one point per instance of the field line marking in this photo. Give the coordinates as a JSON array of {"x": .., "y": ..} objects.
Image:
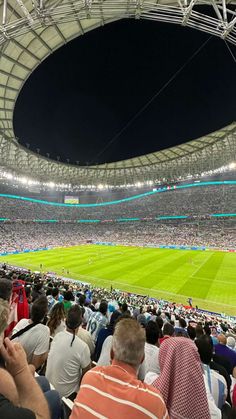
[{"x": 200, "y": 267}]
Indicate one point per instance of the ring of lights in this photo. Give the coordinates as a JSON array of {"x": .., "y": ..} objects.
[{"x": 30, "y": 30}]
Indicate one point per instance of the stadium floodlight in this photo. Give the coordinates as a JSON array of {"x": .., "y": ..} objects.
[
  {"x": 23, "y": 180},
  {"x": 51, "y": 185},
  {"x": 8, "y": 176},
  {"x": 232, "y": 165}
]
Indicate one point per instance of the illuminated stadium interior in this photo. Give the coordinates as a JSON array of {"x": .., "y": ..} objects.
[{"x": 151, "y": 239}]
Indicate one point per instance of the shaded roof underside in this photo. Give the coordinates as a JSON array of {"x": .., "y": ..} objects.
[{"x": 31, "y": 30}]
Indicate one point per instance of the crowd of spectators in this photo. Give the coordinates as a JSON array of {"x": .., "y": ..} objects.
[
  {"x": 111, "y": 353},
  {"x": 18, "y": 236},
  {"x": 25, "y": 231},
  {"x": 195, "y": 201}
]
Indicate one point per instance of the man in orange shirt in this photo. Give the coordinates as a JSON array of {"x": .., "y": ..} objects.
[{"x": 114, "y": 391}]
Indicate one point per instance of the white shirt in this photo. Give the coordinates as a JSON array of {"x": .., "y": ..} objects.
[
  {"x": 65, "y": 363},
  {"x": 105, "y": 355},
  {"x": 151, "y": 358},
  {"x": 87, "y": 313},
  {"x": 217, "y": 385},
  {"x": 59, "y": 328},
  {"x": 35, "y": 341},
  {"x": 96, "y": 322}
]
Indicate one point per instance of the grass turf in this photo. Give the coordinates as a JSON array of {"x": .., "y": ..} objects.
[{"x": 206, "y": 276}]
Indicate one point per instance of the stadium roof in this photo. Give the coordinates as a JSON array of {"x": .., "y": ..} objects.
[{"x": 30, "y": 30}]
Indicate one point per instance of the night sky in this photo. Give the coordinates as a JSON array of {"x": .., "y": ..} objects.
[{"x": 84, "y": 94}]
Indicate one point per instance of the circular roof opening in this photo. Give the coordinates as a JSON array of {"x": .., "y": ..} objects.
[{"x": 118, "y": 92}]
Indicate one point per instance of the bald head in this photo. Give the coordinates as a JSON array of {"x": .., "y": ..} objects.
[{"x": 128, "y": 342}]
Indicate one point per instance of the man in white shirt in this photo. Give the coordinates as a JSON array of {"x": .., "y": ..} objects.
[
  {"x": 69, "y": 357},
  {"x": 33, "y": 335}
]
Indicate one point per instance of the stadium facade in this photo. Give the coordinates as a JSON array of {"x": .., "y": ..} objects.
[{"x": 32, "y": 30}]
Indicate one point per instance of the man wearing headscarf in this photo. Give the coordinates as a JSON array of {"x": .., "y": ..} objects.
[{"x": 181, "y": 381}]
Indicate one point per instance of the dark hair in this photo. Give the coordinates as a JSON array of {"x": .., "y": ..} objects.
[
  {"x": 68, "y": 296},
  {"x": 39, "y": 309},
  {"x": 28, "y": 291},
  {"x": 5, "y": 289},
  {"x": 191, "y": 332},
  {"x": 160, "y": 322},
  {"x": 114, "y": 317},
  {"x": 199, "y": 330},
  {"x": 168, "y": 329},
  {"x": 74, "y": 319},
  {"x": 205, "y": 348},
  {"x": 182, "y": 323},
  {"x": 207, "y": 330},
  {"x": 103, "y": 307},
  {"x": 82, "y": 299},
  {"x": 55, "y": 292},
  {"x": 38, "y": 286},
  {"x": 152, "y": 332},
  {"x": 124, "y": 307}
]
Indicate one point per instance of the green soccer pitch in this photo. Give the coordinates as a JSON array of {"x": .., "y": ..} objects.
[{"x": 208, "y": 277}]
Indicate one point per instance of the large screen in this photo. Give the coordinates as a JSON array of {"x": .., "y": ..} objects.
[{"x": 71, "y": 199}]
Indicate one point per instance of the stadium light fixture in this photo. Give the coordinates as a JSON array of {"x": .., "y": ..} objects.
[
  {"x": 232, "y": 165},
  {"x": 23, "y": 180},
  {"x": 51, "y": 184},
  {"x": 9, "y": 176}
]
